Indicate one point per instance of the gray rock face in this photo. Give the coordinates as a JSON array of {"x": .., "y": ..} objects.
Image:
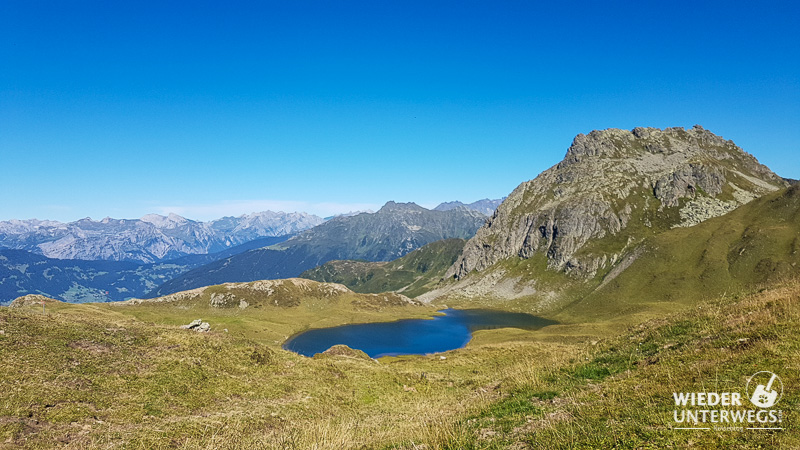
[
  {"x": 395, "y": 230},
  {"x": 613, "y": 187},
  {"x": 149, "y": 239},
  {"x": 197, "y": 325}
]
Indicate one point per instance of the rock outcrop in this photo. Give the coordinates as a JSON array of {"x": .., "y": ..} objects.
[
  {"x": 31, "y": 300},
  {"x": 198, "y": 325},
  {"x": 612, "y": 188}
]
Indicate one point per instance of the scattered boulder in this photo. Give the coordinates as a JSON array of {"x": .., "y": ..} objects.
[{"x": 197, "y": 325}]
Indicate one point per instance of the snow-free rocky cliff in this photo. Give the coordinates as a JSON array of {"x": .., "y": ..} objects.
[
  {"x": 612, "y": 188},
  {"x": 149, "y": 239}
]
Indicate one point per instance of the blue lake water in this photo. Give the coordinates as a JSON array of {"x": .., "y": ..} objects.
[{"x": 412, "y": 336}]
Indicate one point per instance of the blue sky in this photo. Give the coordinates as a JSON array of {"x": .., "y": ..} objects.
[{"x": 223, "y": 108}]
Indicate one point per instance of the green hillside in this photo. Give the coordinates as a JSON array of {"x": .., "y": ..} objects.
[
  {"x": 412, "y": 274},
  {"x": 617, "y": 391},
  {"x": 757, "y": 244},
  {"x": 126, "y": 376}
]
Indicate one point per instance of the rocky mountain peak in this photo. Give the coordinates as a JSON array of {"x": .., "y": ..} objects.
[
  {"x": 484, "y": 206},
  {"x": 392, "y": 206},
  {"x": 578, "y": 210},
  {"x": 615, "y": 143},
  {"x": 171, "y": 220}
]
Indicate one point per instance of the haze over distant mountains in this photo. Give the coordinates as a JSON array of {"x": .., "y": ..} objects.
[
  {"x": 80, "y": 281},
  {"x": 150, "y": 239},
  {"x": 113, "y": 260},
  {"x": 485, "y": 206}
]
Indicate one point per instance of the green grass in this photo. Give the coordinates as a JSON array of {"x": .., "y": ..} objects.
[
  {"x": 413, "y": 274},
  {"x": 754, "y": 245},
  {"x": 108, "y": 380},
  {"x": 618, "y": 393},
  {"x": 113, "y": 376}
]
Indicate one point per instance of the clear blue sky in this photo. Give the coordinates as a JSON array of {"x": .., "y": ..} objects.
[{"x": 216, "y": 108}]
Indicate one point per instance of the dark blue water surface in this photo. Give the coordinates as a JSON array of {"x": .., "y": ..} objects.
[{"x": 412, "y": 336}]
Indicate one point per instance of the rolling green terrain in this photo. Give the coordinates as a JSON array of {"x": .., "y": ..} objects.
[
  {"x": 126, "y": 376},
  {"x": 617, "y": 392},
  {"x": 413, "y": 274},
  {"x": 699, "y": 309}
]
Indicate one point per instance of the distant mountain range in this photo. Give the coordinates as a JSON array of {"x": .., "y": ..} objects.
[
  {"x": 395, "y": 230},
  {"x": 151, "y": 239},
  {"x": 81, "y": 281},
  {"x": 485, "y": 206},
  {"x": 114, "y": 260}
]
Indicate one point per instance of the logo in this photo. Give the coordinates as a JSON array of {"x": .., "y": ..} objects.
[
  {"x": 729, "y": 411},
  {"x": 764, "y": 396}
]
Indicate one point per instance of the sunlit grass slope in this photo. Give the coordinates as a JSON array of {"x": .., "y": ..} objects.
[
  {"x": 756, "y": 244},
  {"x": 618, "y": 392},
  {"x": 96, "y": 376},
  {"x": 412, "y": 274}
]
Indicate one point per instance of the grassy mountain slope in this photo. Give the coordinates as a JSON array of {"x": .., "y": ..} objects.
[
  {"x": 755, "y": 244},
  {"x": 393, "y": 231},
  {"x": 412, "y": 274},
  {"x": 618, "y": 393},
  {"x": 613, "y": 189}
]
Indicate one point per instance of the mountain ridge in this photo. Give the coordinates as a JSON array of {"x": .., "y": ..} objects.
[
  {"x": 80, "y": 281},
  {"x": 391, "y": 232},
  {"x": 613, "y": 187},
  {"x": 484, "y": 206},
  {"x": 412, "y": 274},
  {"x": 152, "y": 238}
]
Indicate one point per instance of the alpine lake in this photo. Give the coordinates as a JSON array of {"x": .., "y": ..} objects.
[{"x": 412, "y": 336}]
